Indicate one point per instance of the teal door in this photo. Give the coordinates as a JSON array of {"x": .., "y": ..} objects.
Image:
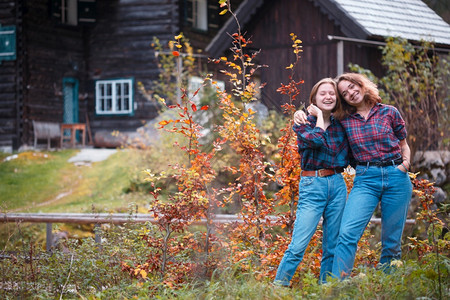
[{"x": 70, "y": 93}]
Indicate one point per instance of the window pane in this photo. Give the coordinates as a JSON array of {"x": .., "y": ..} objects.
[
  {"x": 119, "y": 96},
  {"x": 69, "y": 12},
  {"x": 201, "y": 14},
  {"x": 109, "y": 93},
  {"x": 102, "y": 97}
]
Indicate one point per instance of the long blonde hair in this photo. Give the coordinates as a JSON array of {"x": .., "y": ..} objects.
[{"x": 369, "y": 89}]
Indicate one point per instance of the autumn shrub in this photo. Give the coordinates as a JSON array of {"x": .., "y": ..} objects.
[{"x": 254, "y": 244}]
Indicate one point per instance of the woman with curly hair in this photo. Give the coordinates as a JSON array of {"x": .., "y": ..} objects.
[{"x": 377, "y": 137}]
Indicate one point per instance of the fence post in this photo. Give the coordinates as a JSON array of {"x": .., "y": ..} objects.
[
  {"x": 49, "y": 237},
  {"x": 97, "y": 231}
]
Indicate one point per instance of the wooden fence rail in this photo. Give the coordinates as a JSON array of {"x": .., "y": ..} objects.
[{"x": 117, "y": 218}]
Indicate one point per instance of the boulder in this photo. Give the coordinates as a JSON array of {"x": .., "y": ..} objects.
[
  {"x": 433, "y": 165},
  {"x": 108, "y": 139}
]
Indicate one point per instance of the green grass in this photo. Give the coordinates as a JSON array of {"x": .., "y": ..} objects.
[
  {"x": 47, "y": 182},
  {"x": 33, "y": 178}
]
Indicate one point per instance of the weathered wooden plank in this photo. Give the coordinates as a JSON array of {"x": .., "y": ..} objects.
[
  {"x": 121, "y": 218},
  {"x": 7, "y": 112},
  {"x": 123, "y": 124},
  {"x": 7, "y": 136},
  {"x": 142, "y": 2}
]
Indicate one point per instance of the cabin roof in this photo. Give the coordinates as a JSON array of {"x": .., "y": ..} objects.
[
  {"x": 360, "y": 19},
  {"x": 409, "y": 19}
]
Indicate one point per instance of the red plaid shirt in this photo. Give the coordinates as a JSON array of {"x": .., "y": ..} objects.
[{"x": 378, "y": 137}]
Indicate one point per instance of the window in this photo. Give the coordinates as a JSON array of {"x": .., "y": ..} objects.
[
  {"x": 7, "y": 43},
  {"x": 69, "y": 14},
  {"x": 200, "y": 14},
  {"x": 203, "y": 15},
  {"x": 114, "y": 97},
  {"x": 73, "y": 12}
]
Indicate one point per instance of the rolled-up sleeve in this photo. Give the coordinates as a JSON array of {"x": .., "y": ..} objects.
[
  {"x": 309, "y": 136},
  {"x": 398, "y": 124}
]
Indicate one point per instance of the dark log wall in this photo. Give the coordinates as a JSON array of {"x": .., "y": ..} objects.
[
  {"x": 120, "y": 46},
  {"x": 52, "y": 52},
  {"x": 200, "y": 39},
  {"x": 116, "y": 46},
  {"x": 10, "y": 96},
  {"x": 270, "y": 32}
]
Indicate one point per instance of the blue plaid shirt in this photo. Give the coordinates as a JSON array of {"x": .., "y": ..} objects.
[{"x": 321, "y": 149}]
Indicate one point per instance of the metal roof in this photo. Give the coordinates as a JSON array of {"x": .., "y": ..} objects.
[
  {"x": 410, "y": 19},
  {"x": 360, "y": 19}
]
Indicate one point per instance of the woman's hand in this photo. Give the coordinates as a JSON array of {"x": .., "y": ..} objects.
[
  {"x": 406, "y": 155},
  {"x": 314, "y": 110},
  {"x": 300, "y": 117},
  {"x": 402, "y": 168}
]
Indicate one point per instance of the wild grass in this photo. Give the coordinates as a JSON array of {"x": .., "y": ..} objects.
[
  {"x": 32, "y": 178},
  {"x": 47, "y": 182},
  {"x": 82, "y": 269}
]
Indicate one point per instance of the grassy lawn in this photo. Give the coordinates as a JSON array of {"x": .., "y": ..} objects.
[{"x": 47, "y": 182}]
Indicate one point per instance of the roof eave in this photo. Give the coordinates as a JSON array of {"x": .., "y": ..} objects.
[
  {"x": 222, "y": 39},
  {"x": 336, "y": 13}
]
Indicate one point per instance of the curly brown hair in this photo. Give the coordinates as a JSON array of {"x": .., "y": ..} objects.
[{"x": 369, "y": 89}]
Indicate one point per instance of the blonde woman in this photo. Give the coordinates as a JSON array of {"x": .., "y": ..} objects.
[{"x": 324, "y": 150}]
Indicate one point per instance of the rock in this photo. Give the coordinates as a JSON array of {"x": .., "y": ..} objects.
[
  {"x": 438, "y": 176},
  {"x": 440, "y": 196},
  {"x": 430, "y": 159},
  {"x": 433, "y": 165},
  {"x": 107, "y": 139}
]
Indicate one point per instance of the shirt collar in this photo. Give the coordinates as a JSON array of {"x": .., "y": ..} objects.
[{"x": 373, "y": 110}]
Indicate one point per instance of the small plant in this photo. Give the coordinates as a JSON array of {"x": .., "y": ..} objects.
[{"x": 438, "y": 242}]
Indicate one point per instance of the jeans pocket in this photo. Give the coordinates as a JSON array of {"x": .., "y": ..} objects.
[
  {"x": 403, "y": 172},
  {"x": 305, "y": 181},
  {"x": 360, "y": 170}
]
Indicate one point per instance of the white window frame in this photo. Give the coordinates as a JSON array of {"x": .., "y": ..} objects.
[
  {"x": 200, "y": 14},
  {"x": 69, "y": 12},
  {"x": 113, "y": 101}
]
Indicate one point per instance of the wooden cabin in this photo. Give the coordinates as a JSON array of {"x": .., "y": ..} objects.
[
  {"x": 79, "y": 61},
  {"x": 334, "y": 33}
]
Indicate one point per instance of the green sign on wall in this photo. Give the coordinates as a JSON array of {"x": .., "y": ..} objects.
[{"x": 7, "y": 43}]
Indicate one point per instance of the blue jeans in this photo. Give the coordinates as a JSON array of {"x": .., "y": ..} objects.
[
  {"x": 318, "y": 197},
  {"x": 393, "y": 189}
]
